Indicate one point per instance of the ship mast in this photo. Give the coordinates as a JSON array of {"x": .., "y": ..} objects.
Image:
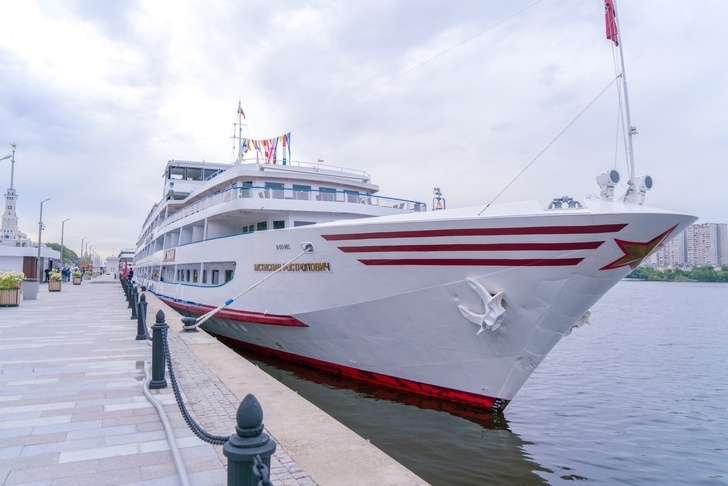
[
  {"x": 637, "y": 187},
  {"x": 631, "y": 130},
  {"x": 239, "y": 137}
]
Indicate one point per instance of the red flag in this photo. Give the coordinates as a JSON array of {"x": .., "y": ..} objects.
[
  {"x": 240, "y": 109},
  {"x": 610, "y": 17}
]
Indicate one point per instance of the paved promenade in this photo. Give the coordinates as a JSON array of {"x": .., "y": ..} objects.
[{"x": 73, "y": 411}]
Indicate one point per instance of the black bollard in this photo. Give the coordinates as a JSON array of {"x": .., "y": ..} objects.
[
  {"x": 158, "y": 379},
  {"x": 246, "y": 443},
  {"x": 129, "y": 291},
  {"x": 134, "y": 301},
  {"x": 142, "y": 318}
]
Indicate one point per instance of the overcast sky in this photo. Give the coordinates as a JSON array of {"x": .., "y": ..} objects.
[{"x": 456, "y": 94}]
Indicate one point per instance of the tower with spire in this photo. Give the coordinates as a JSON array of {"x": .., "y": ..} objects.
[{"x": 11, "y": 235}]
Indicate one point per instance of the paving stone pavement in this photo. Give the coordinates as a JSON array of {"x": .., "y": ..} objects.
[{"x": 72, "y": 409}]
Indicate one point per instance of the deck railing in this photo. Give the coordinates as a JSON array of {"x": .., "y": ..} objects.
[{"x": 314, "y": 195}]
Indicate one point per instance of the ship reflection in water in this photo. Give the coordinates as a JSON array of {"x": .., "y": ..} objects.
[{"x": 442, "y": 442}]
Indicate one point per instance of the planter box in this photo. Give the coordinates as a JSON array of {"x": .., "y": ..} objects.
[
  {"x": 76, "y": 280},
  {"x": 54, "y": 286},
  {"x": 9, "y": 297}
]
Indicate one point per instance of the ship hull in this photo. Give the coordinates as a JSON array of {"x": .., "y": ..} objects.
[{"x": 397, "y": 301}]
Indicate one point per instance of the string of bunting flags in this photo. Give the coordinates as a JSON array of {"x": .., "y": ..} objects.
[{"x": 267, "y": 149}]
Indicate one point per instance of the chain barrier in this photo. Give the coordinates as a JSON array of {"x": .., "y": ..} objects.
[
  {"x": 194, "y": 426},
  {"x": 260, "y": 471}
]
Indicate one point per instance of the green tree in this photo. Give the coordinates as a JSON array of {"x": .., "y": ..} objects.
[
  {"x": 69, "y": 256},
  {"x": 703, "y": 274}
]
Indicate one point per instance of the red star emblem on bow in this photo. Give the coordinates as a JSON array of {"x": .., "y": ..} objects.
[{"x": 635, "y": 252}]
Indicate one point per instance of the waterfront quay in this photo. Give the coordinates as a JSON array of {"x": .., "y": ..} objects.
[{"x": 73, "y": 409}]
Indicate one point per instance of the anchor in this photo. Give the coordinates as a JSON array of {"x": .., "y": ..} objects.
[{"x": 494, "y": 313}]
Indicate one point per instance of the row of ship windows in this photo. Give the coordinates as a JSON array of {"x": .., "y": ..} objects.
[{"x": 193, "y": 276}]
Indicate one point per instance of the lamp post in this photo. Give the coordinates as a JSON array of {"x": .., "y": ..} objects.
[
  {"x": 80, "y": 253},
  {"x": 40, "y": 232},
  {"x": 62, "y": 228},
  {"x": 12, "y": 165}
]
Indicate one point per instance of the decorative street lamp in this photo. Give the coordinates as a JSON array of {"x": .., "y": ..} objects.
[
  {"x": 40, "y": 232},
  {"x": 62, "y": 228},
  {"x": 80, "y": 253}
]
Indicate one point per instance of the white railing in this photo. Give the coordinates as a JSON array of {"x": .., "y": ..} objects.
[{"x": 231, "y": 194}]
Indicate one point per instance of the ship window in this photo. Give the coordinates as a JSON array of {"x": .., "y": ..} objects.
[
  {"x": 194, "y": 174},
  {"x": 204, "y": 276},
  {"x": 276, "y": 189},
  {"x": 352, "y": 196},
  {"x": 194, "y": 276},
  {"x": 176, "y": 172},
  {"x": 187, "y": 276},
  {"x": 302, "y": 223},
  {"x": 262, "y": 226},
  {"x": 215, "y": 277},
  {"x": 248, "y": 228},
  {"x": 327, "y": 194},
  {"x": 210, "y": 173},
  {"x": 301, "y": 192},
  {"x": 279, "y": 224},
  {"x": 228, "y": 275}
]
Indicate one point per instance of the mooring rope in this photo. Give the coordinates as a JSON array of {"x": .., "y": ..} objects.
[{"x": 192, "y": 322}]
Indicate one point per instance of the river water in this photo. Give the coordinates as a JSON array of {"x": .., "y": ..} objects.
[{"x": 638, "y": 396}]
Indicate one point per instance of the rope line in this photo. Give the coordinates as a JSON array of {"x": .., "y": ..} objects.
[
  {"x": 204, "y": 317},
  {"x": 391, "y": 80},
  {"x": 550, "y": 144}
]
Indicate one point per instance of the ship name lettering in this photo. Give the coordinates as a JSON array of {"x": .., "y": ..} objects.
[
  {"x": 293, "y": 267},
  {"x": 285, "y": 246}
]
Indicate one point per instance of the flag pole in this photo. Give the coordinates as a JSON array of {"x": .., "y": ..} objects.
[
  {"x": 241, "y": 117},
  {"x": 631, "y": 130}
]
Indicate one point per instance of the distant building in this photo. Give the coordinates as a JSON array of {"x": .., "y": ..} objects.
[
  {"x": 112, "y": 265},
  {"x": 699, "y": 245}
]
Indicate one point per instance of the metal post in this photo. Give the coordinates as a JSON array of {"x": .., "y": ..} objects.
[
  {"x": 129, "y": 286},
  {"x": 134, "y": 297},
  {"x": 142, "y": 318},
  {"x": 63, "y": 227},
  {"x": 246, "y": 443},
  {"x": 38, "y": 271},
  {"x": 158, "y": 368}
]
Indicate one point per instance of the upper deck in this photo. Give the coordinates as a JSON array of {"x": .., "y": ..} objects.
[{"x": 191, "y": 187}]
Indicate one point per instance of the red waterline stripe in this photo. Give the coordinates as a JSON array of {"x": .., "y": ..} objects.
[
  {"x": 584, "y": 245},
  {"x": 531, "y": 230},
  {"x": 478, "y": 262},
  {"x": 236, "y": 315},
  {"x": 395, "y": 383}
]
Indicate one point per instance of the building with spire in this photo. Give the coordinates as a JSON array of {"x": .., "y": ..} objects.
[
  {"x": 11, "y": 235},
  {"x": 17, "y": 251}
]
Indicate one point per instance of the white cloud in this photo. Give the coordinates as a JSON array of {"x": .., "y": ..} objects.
[{"x": 99, "y": 96}]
